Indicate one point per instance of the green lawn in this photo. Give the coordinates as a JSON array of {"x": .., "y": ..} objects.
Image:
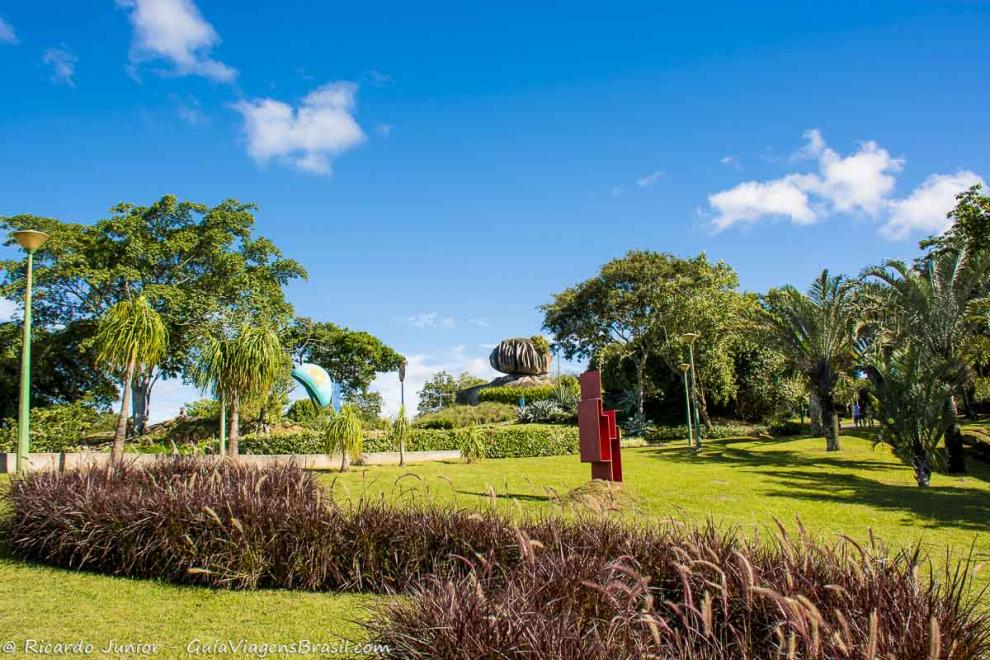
[{"x": 744, "y": 482}]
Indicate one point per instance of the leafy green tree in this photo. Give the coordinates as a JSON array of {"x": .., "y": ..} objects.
[
  {"x": 352, "y": 358},
  {"x": 767, "y": 387},
  {"x": 910, "y": 403},
  {"x": 131, "y": 336},
  {"x": 367, "y": 404},
  {"x": 343, "y": 433},
  {"x": 638, "y": 307},
  {"x": 440, "y": 391},
  {"x": 240, "y": 364},
  {"x": 931, "y": 304},
  {"x": 970, "y": 227},
  {"x": 400, "y": 434},
  {"x": 817, "y": 333},
  {"x": 191, "y": 261},
  {"x": 63, "y": 368}
]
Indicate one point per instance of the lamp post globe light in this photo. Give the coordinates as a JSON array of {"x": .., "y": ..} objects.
[
  {"x": 684, "y": 368},
  {"x": 690, "y": 338},
  {"x": 30, "y": 240}
]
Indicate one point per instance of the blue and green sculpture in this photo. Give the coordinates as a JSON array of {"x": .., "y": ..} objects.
[{"x": 316, "y": 381}]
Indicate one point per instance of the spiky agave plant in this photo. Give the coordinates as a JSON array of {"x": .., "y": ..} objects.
[
  {"x": 342, "y": 433},
  {"x": 473, "y": 444},
  {"x": 400, "y": 433},
  {"x": 130, "y": 335}
]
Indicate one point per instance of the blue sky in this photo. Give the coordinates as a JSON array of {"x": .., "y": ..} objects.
[{"x": 442, "y": 168}]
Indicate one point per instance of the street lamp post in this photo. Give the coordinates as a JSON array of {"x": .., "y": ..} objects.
[
  {"x": 690, "y": 338},
  {"x": 29, "y": 240},
  {"x": 402, "y": 385},
  {"x": 684, "y": 368}
]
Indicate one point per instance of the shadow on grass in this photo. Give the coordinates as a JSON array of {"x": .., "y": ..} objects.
[
  {"x": 831, "y": 478},
  {"x": 506, "y": 496}
]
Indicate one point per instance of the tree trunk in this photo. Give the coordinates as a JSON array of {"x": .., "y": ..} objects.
[
  {"x": 815, "y": 414},
  {"x": 141, "y": 398},
  {"x": 345, "y": 461},
  {"x": 117, "y": 451},
  {"x": 830, "y": 421},
  {"x": 402, "y": 452},
  {"x": 640, "y": 386},
  {"x": 235, "y": 426},
  {"x": 954, "y": 441},
  {"x": 922, "y": 466},
  {"x": 703, "y": 408}
]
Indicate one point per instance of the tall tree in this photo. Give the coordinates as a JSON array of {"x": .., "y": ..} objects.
[
  {"x": 343, "y": 433},
  {"x": 640, "y": 305},
  {"x": 438, "y": 392},
  {"x": 190, "y": 261},
  {"x": 239, "y": 364},
  {"x": 911, "y": 403},
  {"x": 352, "y": 358},
  {"x": 63, "y": 368},
  {"x": 930, "y": 304},
  {"x": 817, "y": 333},
  {"x": 131, "y": 336}
]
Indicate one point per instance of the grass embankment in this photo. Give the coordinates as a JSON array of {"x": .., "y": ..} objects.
[{"x": 738, "y": 481}]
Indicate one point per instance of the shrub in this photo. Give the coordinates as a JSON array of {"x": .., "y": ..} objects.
[
  {"x": 511, "y": 394},
  {"x": 55, "y": 428},
  {"x": 305, "y": 413},
  {"x": 472, "y": 444},
  {"x": 513, "y": 441},
  {"x": 717, "y": 432},
  {"x": 453, "y": 417},
  {"x": 480, "y": 585},
  {"x": 786, "y": 428},
  {"x": 594, "y": 590}
]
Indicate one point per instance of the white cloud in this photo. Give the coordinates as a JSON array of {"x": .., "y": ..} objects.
[
  {"x": 752, "y": 200},
  {"x": 8, "y": 309},
  {"x": 730, "y": 161},
  {"x": 480, "y": 322},
  {"x": 306, "y": 137},
  {"x": 926, "y": 208},
  {"x": 419, "y": 369},
  {"x": 175, "y": 31},
  {"x": 649, "y": 179},
  {"x": 384, "y": 130},
  {"x": 62, "y": 62},
  {"x": 430, "y": 320},
  {"x": 189, "y": 110},
  {"x": 861, "y": 183},
  {"x": 7, "y": 33}
]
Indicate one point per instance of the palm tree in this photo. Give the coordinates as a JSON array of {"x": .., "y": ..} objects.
[
  {"x": 343, "y": 433},
  {"x": 910, "y": 404},
  {"x": 239, "y": 366},
  {"x": 930, "y": 305},
  {"x": 400, "y": 432},
  {"x": 817, "y": 332},
  {"x": 131, "y": 335}
]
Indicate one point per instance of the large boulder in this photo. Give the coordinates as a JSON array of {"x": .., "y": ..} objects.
[{"x": 520, "y": 357}]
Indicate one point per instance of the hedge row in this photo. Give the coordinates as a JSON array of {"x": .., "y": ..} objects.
[
  {"x": 500, "y": 441},
  {"x": 512, "y": 393},
  {"x": 717, "y": 432}
]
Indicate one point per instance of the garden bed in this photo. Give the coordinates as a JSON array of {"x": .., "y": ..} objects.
[{"x": 480, "y": 584}]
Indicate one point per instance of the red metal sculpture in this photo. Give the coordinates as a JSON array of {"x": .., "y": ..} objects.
[{"x": 598, "y": 432}]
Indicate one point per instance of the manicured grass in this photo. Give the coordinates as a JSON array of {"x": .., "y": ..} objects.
[
  {"x": 41, "y": 603},
  {"x": 738, "y": 481}
]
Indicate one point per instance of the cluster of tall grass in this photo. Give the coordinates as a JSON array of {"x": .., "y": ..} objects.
[{"x": 480, "y": 584}]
